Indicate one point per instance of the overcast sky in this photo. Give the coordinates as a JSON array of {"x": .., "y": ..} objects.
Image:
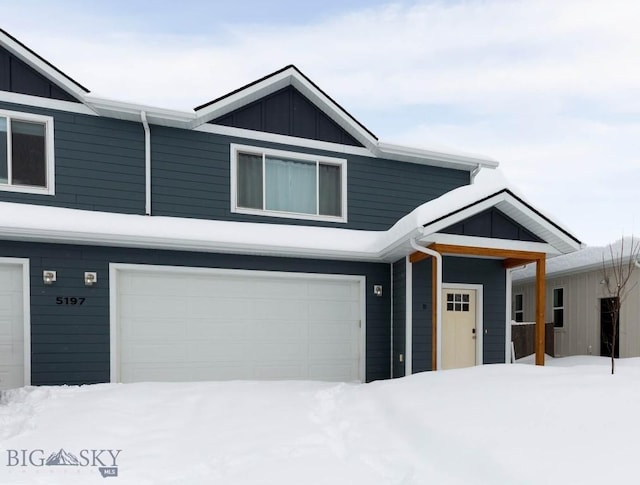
[{"x": 549, "y": 88}]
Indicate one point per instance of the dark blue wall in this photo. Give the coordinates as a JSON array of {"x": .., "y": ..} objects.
[
  {"x": 191, "y": 178},
  {"x": 487, "y": 272},
  {"x": 287, "y": 112},
  {"x": 17, "y": 77},
  {"x": 100, "y": 166},
  {"x": 492, "y": 223},
  {"x": 399, "y": 316},
  {"x": 70, "y": 344},
  {"x": 99, "y": 163}
]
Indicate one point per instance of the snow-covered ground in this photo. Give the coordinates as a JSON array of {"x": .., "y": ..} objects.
[{"x": 569, "y": 422}]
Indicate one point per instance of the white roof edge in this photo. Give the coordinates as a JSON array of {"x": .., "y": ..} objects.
[
  {"x": 56, "y": 224},
  {"x": 459, "y": 158},
  {"x": 32, "y": 59}
]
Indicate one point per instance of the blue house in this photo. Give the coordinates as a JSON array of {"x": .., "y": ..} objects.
[{"x": 264, "y": 235}]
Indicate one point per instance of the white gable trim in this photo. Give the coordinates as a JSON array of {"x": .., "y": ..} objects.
[{"x": 271, "y": 84}]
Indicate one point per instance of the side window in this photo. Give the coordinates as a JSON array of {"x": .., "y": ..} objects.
[
  {"x": 518, "y": 308},
  {"x": 288, "y": 184},
  {"x": 558, "y": 307},
  {"x": 26, "y": 153}
]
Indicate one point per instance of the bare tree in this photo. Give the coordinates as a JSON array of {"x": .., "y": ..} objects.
[{"x": 617, "y": 270}]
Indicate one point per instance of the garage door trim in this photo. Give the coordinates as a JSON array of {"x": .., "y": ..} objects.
[
  {"x": 26, "y": 311},
  {"x": 115, "y": 268}
]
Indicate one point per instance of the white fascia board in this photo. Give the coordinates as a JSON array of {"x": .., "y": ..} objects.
[
  {"x": 520, "y": 213},
  {"x": 529, "y": 218},
  {"x": 37, "y": 101},
  {"x": 42, "y": 67},
  {"x": 284, "y": 139},
  {"x": 437, "y": 157},
  {"x": 131, "y": 111},
  {"x": 244, "y": 97},
  {"x": 333, "y": 112}
]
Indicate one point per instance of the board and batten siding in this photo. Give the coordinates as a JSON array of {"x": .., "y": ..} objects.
[
  {"x": 99, "y": 163},
  {"x": 191, "y": 178},
  {"x": 70, "y": 343},
  {"x": 582, "y": 294}
]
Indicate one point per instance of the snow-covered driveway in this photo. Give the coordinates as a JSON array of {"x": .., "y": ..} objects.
[{"x": 570, "y": 422}]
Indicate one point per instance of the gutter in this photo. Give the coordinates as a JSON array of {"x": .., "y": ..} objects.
[
  {"x": 147, "y": 162},
  {"x": 475, "y": 172},
  {"x": 438, "y": 302}
]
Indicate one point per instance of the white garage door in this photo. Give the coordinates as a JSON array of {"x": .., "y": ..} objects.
[
  {"x": 189, "y": 325},
  {"x": 11, "y": 326}
]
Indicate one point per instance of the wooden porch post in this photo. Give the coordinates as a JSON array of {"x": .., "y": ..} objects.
[
  {"x": 540, "y": 309},
  {"x": 434, "y": 314}
]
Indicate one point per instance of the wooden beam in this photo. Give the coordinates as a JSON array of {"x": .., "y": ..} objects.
[
  {"x": 434, "y": 314},
  {"x": 488, "y": 252},
  {"x": 418, "y": 256},
  {"x": 514, "y": 262},
  {"x": 540, "y": 310}
]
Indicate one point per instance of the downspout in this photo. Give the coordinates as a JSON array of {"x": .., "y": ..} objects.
[
  {"x": 475, "y": 172},
  {"x": 147, "y": 162},
  {"x": 438, "y": 302}
]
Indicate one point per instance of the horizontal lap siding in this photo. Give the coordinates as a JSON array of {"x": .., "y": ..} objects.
[
  {"x": 70, "y": 344},
  {"x": 422, "y": 339},
  {"x": 491, "y": 274},
  {"x": 399, "y": 316},
  {"x": 191, "y": 178},
  {"x": 99, "y": 163}
]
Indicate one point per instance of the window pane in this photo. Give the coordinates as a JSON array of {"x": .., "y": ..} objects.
[
  {"x": 249, "y": 181},
  {"x": 290, "y": 186},
  {"x": 558, "y": 318},
  {"x": 330, "y": 190},
  {"x": 3, "y": 152},
  {"x": 28, "y": 162},
  {"x": 519, "y": 317},
  {"x": 558, "y": 297},
  {"x": 519, "y": 302}
]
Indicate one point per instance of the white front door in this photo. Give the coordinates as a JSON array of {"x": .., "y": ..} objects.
[
  {"x": 459, "y": 330},
  {"x": 190, "y": 324},
  {"x": 11, "y": 326}
]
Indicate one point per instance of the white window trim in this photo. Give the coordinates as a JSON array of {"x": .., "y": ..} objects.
[
  {"x": 48, "y": 154},
  {"x": 554, "y": 308},
  {"x": 235, "y": 149}
]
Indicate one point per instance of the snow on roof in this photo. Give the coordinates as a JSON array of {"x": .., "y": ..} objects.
[
  {"x": 55, "y": 224},
  {"x": 586, "y": 259}
]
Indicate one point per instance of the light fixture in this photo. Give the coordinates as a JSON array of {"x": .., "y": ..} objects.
[
  {"x": 48, "y": 277},
  {"x": 90, "y": 278},
  {"x": 377, "y": 290}
]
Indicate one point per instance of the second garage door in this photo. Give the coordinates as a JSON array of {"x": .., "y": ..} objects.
[{"x": 172, "y": 324}]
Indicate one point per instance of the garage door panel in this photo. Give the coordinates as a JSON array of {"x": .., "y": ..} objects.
[
  {"x": 339, "y": 310},
  {"x": 343, "y": 329},
  {"x": 339, "y": 291},
  {"x": 244, "y": 325},
  {"x": 152, "y": 329},
  {"x": 11, "y": 326},
  {"x": 275, "y": 309}
]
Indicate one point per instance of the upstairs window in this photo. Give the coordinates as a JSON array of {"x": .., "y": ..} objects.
[
  {"x": 26, "y": 153},
  {"x": 287, "y": 184},
  {"x": 558, "y": 307}
]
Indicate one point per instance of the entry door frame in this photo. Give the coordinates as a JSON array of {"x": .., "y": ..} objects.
[
  {"x": 479, "y": 289},
  {"x": 26, "y": 311}
]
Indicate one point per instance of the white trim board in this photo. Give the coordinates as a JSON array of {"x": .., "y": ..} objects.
[
  {"x": 26, "y": 311},
  {"x": 114, "y": 268},
  {"x": 479, "y": 321}
]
